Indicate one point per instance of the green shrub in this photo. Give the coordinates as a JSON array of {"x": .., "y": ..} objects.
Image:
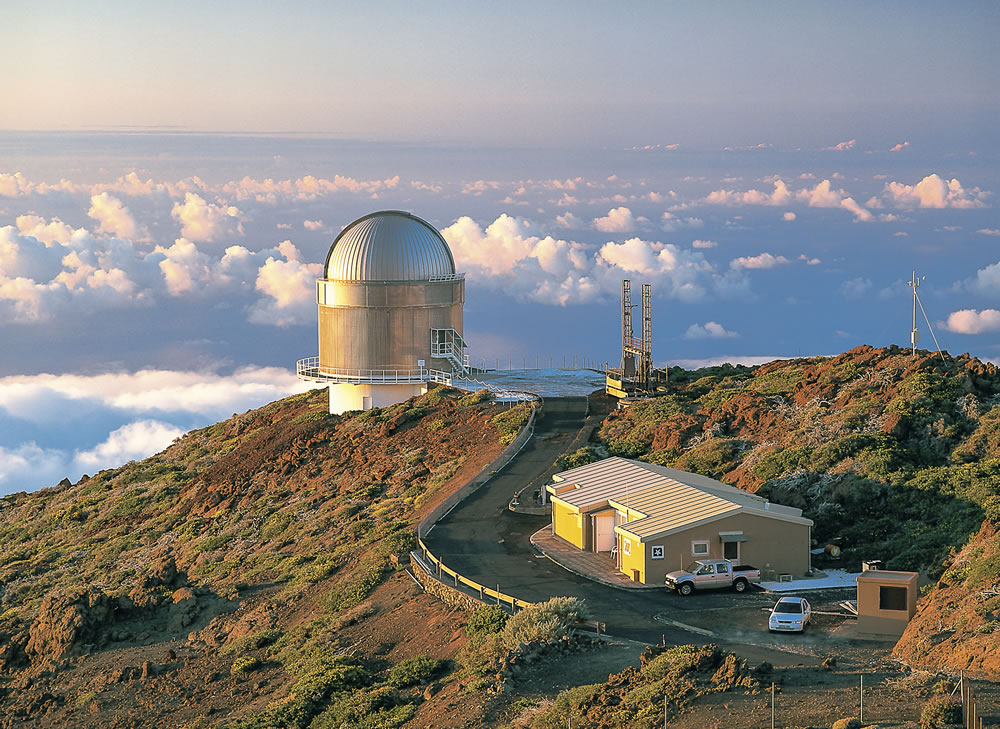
[
  {"x": 381, "y": 707},
  {"x": 475, "y": 398},
  {"x": 991, "y": 509},
  {"x": 486, "y": 620},
  {"x": 244, "y": 665},
  {"x": 420, "y": 669},
  {"x": 579, "y": 457},
  {"x": 941, "y": 711},
  {"x": 847, "y": 723},
  {"x": 251, "y": 642},
  {"x": 681, "y": 659},
  {"x": 548, "y": 621},
  {"x": 714, "y": 457},
  {"x": 509, "y": 422},
  {"x": 481, "y": 655}
]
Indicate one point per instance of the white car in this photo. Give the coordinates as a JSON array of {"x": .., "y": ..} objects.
[{"x": 790, "y": 614}]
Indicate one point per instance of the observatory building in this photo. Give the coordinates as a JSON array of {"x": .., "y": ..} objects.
[{"x": 390, "y": 313}]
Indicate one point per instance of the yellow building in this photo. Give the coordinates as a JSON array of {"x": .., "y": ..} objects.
[{"x": 653, "y": 520}]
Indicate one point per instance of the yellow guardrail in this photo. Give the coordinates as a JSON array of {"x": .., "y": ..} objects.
[{"x": 457, "y": 579}]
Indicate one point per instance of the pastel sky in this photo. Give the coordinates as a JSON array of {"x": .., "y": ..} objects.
[{"x": 172, "y": 175}]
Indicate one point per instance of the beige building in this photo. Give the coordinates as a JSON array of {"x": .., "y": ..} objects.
[
  {"x": 653, "y": 520},
  {"x": 886, "y": 602}
]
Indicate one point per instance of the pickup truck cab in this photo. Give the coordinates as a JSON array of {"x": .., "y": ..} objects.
[{"x": 709, "y": 574}]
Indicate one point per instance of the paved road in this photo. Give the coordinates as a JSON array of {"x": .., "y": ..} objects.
[{"x": 484, "y": 541}]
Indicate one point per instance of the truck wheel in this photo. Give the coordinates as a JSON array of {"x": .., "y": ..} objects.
[
  {"x": 740, "y": 585},
  {"x": 685, "y": 589}
]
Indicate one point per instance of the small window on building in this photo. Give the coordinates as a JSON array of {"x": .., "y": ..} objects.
[
  {"x": 657, "y": 552},
  {"x": 891, "y": 598},
  {"x": 699, "y": 549},
  {"x": 626, "y": 546}
]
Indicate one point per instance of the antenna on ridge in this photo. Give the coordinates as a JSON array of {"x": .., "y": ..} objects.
[{"x": 913, "y": 283}]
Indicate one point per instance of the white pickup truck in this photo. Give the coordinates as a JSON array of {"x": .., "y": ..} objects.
[{"x": 705, "y": 574}]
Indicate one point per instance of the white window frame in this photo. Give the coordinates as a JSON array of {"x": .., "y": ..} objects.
[
  {"x": 627, "y": 547},
  {"x": 656, "y": 552},
  {"x": 697, "y": 542}
]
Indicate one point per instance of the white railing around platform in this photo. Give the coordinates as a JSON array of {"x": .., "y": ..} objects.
[{"x": 310, "y": 369}]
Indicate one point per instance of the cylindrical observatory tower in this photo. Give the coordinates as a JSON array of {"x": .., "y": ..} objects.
[{"x": 390, "y": 313}]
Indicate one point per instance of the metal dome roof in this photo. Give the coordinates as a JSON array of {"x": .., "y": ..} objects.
[{"x": 389, "y": 245}]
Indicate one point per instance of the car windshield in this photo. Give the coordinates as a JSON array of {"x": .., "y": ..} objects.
[
  {"x": 693, "y": 567},
  {"x": 788, "y": 607}
]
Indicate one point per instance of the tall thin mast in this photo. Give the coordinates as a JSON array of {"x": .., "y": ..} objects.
[{"x": 914, "y": 334}]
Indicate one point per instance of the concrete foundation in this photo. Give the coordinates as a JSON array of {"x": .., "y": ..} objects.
[{"x": 347, "y": 396}]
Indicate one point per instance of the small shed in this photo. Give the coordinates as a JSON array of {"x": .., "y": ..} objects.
[{"x": 886, "y": 601}]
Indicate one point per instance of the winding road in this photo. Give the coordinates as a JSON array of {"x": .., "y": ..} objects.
[{"x": 486, "y": 542}]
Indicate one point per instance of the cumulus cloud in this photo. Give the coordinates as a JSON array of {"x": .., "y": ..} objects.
[
  {"x": 113, "y": 217},
  {"x": 289, "y": 288},
  {"x": 934, "y": 192},
  {"x": 48, "y": 232},
  {"x": 779, "y": 196},
  {"x": 788, "y": 217},
  {"x": 672, "y": 223},
  {"x": 128, "y": 443},
  {"x": 313, "y": 224},
  {"x": 569, "y": 221},
  {"x": 202, "y": 221},
  {"x": 38, "y": 279},
  {"x": 184, "y": 267},
  {"x": 207, "y": 394},
  {"x": 618, "y": 220},
  {"x": 986, "y": 281},
  {"x": 989, "y": 231},
  {"x": 703, "y": 244},
  {"x": 855, "y": 288},
  {"x": 306, "y": 188},
  {"x": 823, "y": 195},
  {"x": 109, "y": 415},
  {"x": 764, "y": 260},
  {"x": 84, "y": 274},
  {"x": 844, "y": 146},
  {"x": 899, "y": 147},
  {"x": 709, "y": 330},
  {"x": 14, "y": 185},
  {"x": 508, "y": 256},
  {"x": 971, "y": 321}
]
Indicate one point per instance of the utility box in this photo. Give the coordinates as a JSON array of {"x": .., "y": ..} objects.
[{"x": 886, "y": 601}]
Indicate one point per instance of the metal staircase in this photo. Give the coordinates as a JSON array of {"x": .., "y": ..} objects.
[{"x": 448, "y": 344}]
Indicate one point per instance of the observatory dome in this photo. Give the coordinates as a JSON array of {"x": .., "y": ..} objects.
[{"x": 390, "y": 245}]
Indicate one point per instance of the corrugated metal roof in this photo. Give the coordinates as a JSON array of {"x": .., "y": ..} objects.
[
  {"x": 660, "y": 499},
  {"x": 389, "y": 245}
]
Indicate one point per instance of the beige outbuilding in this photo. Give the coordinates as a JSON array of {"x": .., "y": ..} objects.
[
  {"x": 653, "y": 520},
  {"x": 886, "y": 601}
]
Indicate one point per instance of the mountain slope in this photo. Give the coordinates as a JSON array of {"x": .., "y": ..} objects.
[
  {"x": 894, "y": 457},
  {"x": 266, "y": 528}
]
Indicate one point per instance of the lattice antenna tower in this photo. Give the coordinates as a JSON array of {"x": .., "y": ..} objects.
[
  {"x": 628, "y": 340},
  {"x": 646, "y": 359}
]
